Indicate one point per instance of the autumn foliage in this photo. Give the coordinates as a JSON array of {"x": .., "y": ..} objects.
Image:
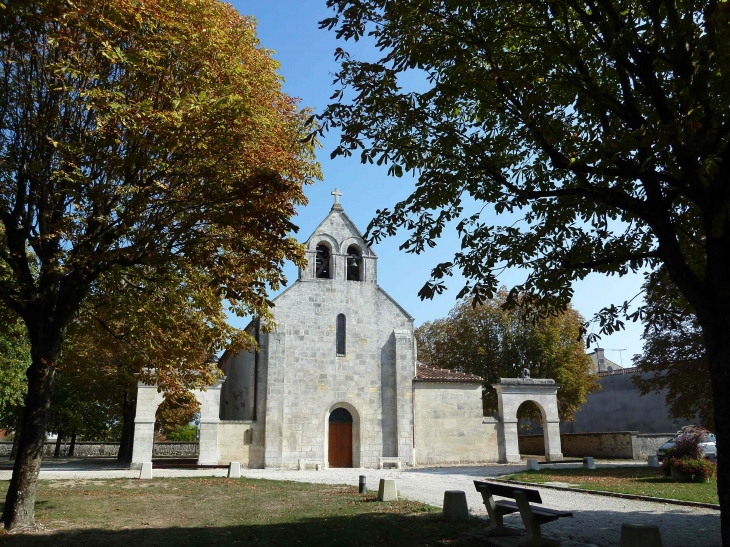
[{"x": 493, "y": 342}]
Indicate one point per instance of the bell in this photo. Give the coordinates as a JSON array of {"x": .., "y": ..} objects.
[{"x": 352, "y": 262}]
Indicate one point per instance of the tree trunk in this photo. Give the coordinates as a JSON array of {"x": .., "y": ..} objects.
[
  {"x": 59, "y": 441},
  {"x": 19, "y": 508},
  {"x": 72, "y": 446},
  {"x": 715, "y": 332},
  {"x": 126, "y": 443},
  {"x": 16, "y": 442}
]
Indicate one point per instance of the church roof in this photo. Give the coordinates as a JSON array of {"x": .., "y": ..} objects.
[{"x": 424, "y": 373}]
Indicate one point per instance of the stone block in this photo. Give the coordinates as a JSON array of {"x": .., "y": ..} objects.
[
  {"x": 455, "y": 507},
  {"x": 588, "y": 463},
  {"x": 234, "y": 470},
  {"x": 640, "y": 535},
  {"x": 653, "y": 461},
  {"x": 387, "y": 490},
  {"x": 532, "y": 465},
  {"x": 146, "y": 471}
]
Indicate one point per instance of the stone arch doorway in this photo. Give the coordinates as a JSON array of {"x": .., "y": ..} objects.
[
  {"x": 149, "y": 399},
  {"x": 342, "y": 441},
  {"x": 511, "y": 393}
]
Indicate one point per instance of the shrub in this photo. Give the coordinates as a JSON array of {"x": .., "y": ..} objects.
[
  {"x": 183, "y": 433},
  {"x": 688, "y": 440},
  {"x": 699, "y": 468}
]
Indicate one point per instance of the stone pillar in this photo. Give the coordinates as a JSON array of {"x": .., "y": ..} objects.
[
  {"x": 210, "y": 401},
  {"x": 275, "y": 397},
  {"x": 405, "y": 371},
  {"x": 148, "y": 399},
  {"x": 509, "y": 450},
  {"x": 553, "y": 448}
]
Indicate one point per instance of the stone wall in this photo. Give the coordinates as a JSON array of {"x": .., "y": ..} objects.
[
  {"x": 101, "y": 450},
  {"x": 646, "y": 444},
  {"x": 620, "y": 407},
  {"x": 236, "y": 443},
  {"x": 615, "y": 444},
  {"x": 449, "y": 425}
]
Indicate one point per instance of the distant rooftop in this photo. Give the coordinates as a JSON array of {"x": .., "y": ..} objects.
[
  {"x": 424, "y": 373},
  {"x": 619, "y": 372}
]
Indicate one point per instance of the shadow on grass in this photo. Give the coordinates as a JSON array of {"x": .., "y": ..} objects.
[
  {"x": 378, "y": 530},
  {"x": 372, "y": 529}
]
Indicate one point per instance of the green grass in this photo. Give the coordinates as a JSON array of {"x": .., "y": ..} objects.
[
  {"x": 216, "y": 511},
  {"x": 642, "y": 481}
]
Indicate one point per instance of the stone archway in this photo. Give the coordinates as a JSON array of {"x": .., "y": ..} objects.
[
  {"x": 511, "y": 393},
  {"x": 356, "y": 440},
  {"x": 149, "y": 398}
]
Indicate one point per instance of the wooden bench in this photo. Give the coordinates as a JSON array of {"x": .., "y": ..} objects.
[{"x": 532, "y": 517}]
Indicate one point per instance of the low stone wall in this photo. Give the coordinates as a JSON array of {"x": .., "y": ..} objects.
[
  {"x": 647, "y": 444},
  {"x": 100, "y": 450},
  {"x": 614, "y": 444},
  {"x": 177, "y": 449}
]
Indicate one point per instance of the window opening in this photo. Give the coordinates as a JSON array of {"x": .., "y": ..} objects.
[
  {"x": 322, "y": 262},
  {"x": 340, "y": 416},
  {"x": 354, "y": 264},
  {"x": 341, "y": 326}
]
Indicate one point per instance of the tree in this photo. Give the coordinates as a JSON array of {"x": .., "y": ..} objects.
[
  {"x": 598, "y": 129},
  {"x": 136, "y": 133},
  {"x": 163, "y": 332},
  {"x": 674, "y": 350},
  {"x": 493, "y": 342}
]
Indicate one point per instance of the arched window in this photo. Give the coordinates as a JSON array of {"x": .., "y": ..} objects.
[
  {"x": 354, "y": 264},
  {"x": 322, "y": 262},
  {"x": 341, "y": 332},
  {"x": 340, "y": 416}
]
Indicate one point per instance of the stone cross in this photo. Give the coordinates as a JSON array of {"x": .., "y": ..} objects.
[{"x": 337, "y": 195}]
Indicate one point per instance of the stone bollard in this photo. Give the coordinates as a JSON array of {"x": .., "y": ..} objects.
[
  {"x": 234, "y": 470},
  {"x": 588, "y": 463},
  {"x": 640, "y": 535},
  {"x": 387, "y": 490},
  {"x": 532, "y": 465},
  {"x": 654, "y": 461},
  {"x": 455, "y": 507},
  {"x": 146, "y": 471}
]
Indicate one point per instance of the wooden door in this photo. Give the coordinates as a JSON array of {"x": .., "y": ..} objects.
[{"x": 340, "y": 445}]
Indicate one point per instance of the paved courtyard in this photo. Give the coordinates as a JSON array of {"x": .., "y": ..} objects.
[{"x": 597, "y": 519}]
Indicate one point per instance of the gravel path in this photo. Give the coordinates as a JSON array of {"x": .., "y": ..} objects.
[{"x": 597, "y": 519}]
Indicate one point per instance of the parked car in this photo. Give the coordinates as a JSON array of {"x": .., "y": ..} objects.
[{"x": 708, "y": 446}]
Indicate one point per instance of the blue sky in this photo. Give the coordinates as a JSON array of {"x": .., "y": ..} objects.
[{"x": 289, "y": 27}]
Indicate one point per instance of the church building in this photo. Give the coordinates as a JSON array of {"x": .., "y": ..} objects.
[{"x": 337, "y": 383}]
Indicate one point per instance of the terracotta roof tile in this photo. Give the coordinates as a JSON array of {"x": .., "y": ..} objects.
[{"x": 424, "y": 373}]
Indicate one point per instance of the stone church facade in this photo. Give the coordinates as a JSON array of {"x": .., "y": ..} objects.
[{"x": 337, "y": 383}]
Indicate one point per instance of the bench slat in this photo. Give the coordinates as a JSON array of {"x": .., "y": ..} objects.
[
  {"x": 505, "y": 490},
  {"x": 551, "y": 512}
]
